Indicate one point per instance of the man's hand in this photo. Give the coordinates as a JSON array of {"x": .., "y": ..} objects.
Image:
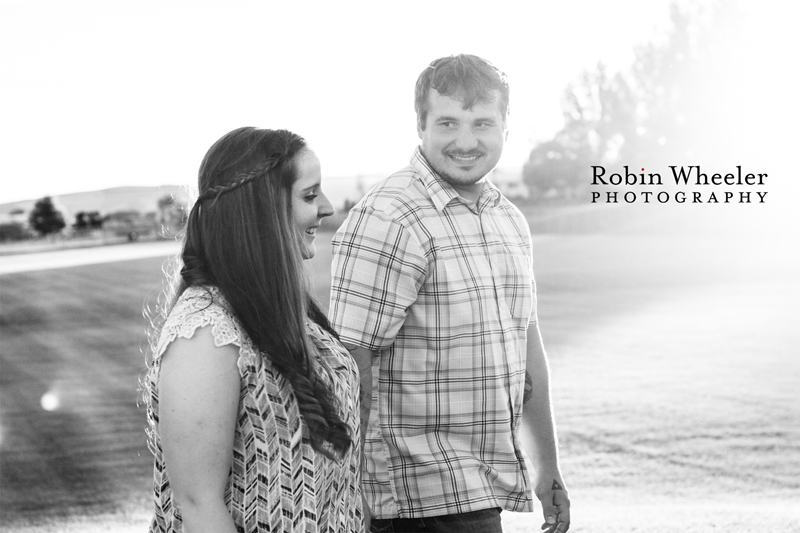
[{"x": 555, "y": 505}]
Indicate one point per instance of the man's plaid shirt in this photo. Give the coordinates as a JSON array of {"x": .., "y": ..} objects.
[{"x": 443, "y": 290}]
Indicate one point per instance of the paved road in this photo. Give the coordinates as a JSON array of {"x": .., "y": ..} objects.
[{"x": 11, "y": 264}]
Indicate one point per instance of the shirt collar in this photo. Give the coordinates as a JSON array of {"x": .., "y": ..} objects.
[{"x": 441, "y": 192}]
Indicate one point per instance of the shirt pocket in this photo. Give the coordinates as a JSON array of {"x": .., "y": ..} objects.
[{"x": 519, "y": 291}]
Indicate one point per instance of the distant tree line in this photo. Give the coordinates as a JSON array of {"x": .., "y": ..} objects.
[{"x": 44, "y": 219}]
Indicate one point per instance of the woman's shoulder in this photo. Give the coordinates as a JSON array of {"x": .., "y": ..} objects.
[
  {"x": 203, "y": 301},
  {"x": 198, "y": 307}
]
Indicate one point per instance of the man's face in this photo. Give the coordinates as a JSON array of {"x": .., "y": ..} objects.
[{"x": 462, "y": 145}]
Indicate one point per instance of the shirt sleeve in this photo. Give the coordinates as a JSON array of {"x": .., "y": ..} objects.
[
  {"x": 378, "y": 267},
  {"x": 534, "y": 318}
]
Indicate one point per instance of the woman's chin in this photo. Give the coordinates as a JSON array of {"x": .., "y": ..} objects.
[{"x": 308, "y": 251}]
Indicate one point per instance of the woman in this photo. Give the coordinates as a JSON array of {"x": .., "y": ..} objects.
[{"x": 252, "y": 401}]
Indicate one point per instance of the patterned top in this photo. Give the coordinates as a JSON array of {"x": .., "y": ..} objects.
[
  {"x": 277, "y": 481},
  {"x": 443, "y": 289}
]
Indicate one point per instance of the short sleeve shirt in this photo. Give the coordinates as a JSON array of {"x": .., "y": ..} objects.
[
  {"x": 277, "y": 482},
  {"x": 442, "y": 290}
]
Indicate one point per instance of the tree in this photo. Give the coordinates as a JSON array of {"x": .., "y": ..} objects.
[
  {"x": 599, "y": 119},
  {"x": 673, "y": 98},
  {"x": 129, "y": 216},
  {"x": 12, "y": 231},
  {"x": 45, "y": 218},
  {"x": 165, "y": 204},
  {"x": 689, "y": 88},
  {"x": 551, "y": 170},
  {"x": 172, "y": 215},
  {"x": 80, "y": 221},
  {"x": 94, "y": 219},
  {"x": 87, "y": 220}
]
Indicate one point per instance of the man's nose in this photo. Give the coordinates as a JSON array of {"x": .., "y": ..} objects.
[{"x": 466, "y": 140}]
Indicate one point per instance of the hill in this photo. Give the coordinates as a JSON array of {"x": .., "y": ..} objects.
[
  {"x": 340, "y": 190},
  {"x": 142, "y": 199}
]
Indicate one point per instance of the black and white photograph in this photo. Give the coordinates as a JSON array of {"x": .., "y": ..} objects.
[{"x": 424, "y": 266}]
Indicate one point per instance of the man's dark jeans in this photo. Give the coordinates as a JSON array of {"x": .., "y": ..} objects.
[{"x": 487, "y": 521}]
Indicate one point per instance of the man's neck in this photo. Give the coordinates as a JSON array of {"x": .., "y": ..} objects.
[{"x": 470, "y": 192}]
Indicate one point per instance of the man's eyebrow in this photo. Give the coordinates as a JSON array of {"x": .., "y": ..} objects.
[{"x": 446, "y": 119}]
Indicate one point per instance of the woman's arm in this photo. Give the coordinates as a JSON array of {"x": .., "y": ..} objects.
[{"x": 198, "y": 403}]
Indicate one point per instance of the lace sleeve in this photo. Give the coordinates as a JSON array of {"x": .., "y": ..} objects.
[{"x": 198, "y": 307}]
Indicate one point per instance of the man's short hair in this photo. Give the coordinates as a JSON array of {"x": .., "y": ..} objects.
[{"x": 467, "y": 78}]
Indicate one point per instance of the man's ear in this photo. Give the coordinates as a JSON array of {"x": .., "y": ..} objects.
[{"x": 419, "y": 130}]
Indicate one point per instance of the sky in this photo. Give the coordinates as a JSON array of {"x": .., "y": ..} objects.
[{"x": 99, "y": 94}]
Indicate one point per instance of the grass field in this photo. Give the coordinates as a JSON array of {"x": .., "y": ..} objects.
[{"x": 675, "y": 363}]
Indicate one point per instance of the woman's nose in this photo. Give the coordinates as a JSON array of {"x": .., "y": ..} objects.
[{"x": 325, "y": 207}]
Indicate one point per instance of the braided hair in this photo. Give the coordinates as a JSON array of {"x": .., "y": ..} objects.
[
  {"x": 240, "y": 237},
  {"x": 241, "y": 179}
]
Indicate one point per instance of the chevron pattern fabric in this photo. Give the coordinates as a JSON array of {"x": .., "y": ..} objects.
[{"x": 277, "y": 483}]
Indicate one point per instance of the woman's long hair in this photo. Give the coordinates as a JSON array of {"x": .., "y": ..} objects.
[{"x": 240, "y": 237}]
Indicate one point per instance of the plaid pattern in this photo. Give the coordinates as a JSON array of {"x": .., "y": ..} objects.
[{"x": 443, "y": 290}]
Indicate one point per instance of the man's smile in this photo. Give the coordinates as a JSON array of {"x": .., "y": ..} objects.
[{"x": 464, "y": 158}]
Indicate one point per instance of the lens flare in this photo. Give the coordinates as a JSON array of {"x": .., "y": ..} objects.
[{"x": 49, "y": 401}]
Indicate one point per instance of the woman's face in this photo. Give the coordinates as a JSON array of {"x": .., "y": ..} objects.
[{"x": 309, "y": 204}]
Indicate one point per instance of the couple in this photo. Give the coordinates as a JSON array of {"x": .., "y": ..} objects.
[{"x": 263, "y": 413}]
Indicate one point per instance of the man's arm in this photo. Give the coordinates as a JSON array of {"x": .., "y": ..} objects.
[
  {"x": 376, "y": 271},
  {"x": 539, "y": 430},
  {"x": 363, "y": 358}
]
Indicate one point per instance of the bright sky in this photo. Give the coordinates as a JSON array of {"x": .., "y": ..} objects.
[{"x": 98, "y": 94}]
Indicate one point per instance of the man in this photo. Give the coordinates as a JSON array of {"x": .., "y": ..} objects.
[{"x": 433, "y": 292}]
